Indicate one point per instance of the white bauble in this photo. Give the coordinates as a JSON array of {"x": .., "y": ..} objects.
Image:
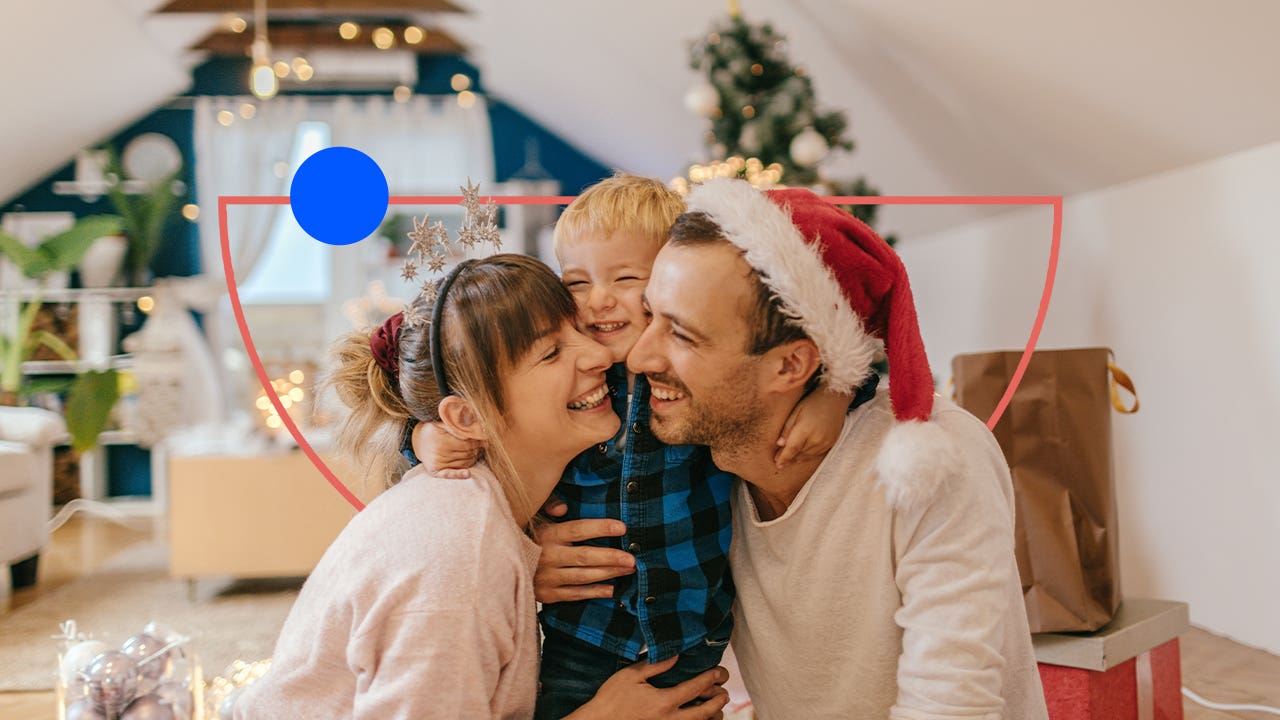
[
  {"x": 749, "y": 140},
  {"x": 78, "y": 657},
  {"x": 702, "y": 99},
  {"x": 808, "y": 148}
]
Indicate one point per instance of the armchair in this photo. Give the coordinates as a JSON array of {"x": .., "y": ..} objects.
[{"x": 27, "y": 437}]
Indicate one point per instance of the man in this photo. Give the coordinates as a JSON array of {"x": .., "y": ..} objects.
[{"x": 877, "y": 581}]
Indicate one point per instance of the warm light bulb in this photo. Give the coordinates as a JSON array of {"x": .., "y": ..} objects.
[
  {"x": 383, "y": 38},
  {"x": 402, "y": 93},
  {"x": 263, "y": 81},
  {"x": 296, "y": 63},
  {"x": 466, "y": 99},
  {"x": 296, "y": 395},
  {"x": 281, "y": 69},
  {"x": 459, "y": 82},
  {"x": 226, "y": 117},
  {"x": 190, "y": 212},
  {"x": 146, "y": 303},
  {"x": 296, "y": 377},
  {"x": 236, "y": 24},
  {"x": 348, "y": 30},
  {"x": 248, "y": 110},
  {"x": 305, "y": 72},
  {"x": 414, "y": 34}
]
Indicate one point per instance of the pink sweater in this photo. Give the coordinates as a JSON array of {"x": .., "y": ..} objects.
[{"x": 422, "y": 608}]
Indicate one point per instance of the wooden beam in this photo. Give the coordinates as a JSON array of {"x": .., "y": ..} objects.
[
  {"x": 306, "y": 36},
  {"x": 314, "y": 7}
]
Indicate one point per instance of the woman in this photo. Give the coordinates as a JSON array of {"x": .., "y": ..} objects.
[{"x": 423, "y": 607}]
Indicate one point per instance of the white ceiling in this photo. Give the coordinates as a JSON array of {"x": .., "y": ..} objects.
[{"x": 944, "y": 97}]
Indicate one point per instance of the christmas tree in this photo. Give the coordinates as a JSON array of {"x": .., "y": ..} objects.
[{"x": 765, "y": 125}]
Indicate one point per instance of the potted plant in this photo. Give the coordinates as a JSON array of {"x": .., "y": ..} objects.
[
  {"x": 145, "y": 215},
  {"x": 92, "y": 393}
]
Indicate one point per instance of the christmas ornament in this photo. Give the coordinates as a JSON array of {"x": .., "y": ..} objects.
[
  {"x": 152, "y": 657},
  {"x": 84, "y": 710},
  {"x": 78, "y": 657},
  {"x": 749, "y": 140},
  {"x": 702, "y": 99},
  {"x": 112, "y": 680},
  {"x": 148, "y": 707},
  {"x": 808, "y": 148}
]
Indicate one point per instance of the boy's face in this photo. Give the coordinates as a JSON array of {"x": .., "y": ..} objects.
[{"x": 607, "y": 276}]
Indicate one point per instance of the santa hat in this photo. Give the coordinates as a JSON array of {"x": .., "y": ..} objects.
[{"x": 848, "y": 290}]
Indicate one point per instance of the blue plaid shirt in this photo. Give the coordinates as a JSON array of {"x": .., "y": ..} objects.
[{"x": 675, "y": 504}]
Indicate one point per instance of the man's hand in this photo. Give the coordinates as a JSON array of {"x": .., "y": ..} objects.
[
  {"x": 629, "y": 696},
  {"x": 577, "y": 572}
]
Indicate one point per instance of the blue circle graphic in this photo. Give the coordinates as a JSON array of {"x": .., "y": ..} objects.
[{"x": 339, "y": 195}]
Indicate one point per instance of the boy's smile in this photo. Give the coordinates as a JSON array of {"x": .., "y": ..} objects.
[{"x": 607, "y": 275}]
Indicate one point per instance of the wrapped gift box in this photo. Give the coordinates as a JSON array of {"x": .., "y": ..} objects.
[{"x": 1129, "y": 669}]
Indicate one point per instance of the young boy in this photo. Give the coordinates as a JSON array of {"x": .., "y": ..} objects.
[{"x": 673, "y": 500}]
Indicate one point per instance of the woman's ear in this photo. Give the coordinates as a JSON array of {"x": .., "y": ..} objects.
[{"x": 461, "y": 419}]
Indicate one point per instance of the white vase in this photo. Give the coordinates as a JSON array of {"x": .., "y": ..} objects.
[{"x": 102, "y": 261}]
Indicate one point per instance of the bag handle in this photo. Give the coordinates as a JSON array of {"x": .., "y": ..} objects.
[{"x": 1121, "y": 378}]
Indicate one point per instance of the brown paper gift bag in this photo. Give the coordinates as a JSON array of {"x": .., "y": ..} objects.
[{"x": 1056, "y": 437}]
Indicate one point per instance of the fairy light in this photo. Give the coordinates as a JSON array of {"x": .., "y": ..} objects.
[{"x": 750, "y": 169}]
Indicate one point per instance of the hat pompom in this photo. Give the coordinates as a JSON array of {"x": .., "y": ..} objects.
[{"x": 914, "y": 463}]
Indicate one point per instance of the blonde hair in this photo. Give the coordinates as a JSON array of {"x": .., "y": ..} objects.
[
  {"x": 494, "y": 312},
  {"x": 621, "y": 203}
]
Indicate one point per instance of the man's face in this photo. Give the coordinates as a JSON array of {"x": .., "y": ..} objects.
[{"x": 705, "y": 387}]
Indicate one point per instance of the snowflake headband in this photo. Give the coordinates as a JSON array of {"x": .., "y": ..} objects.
[{"x": 432, "y": 246}]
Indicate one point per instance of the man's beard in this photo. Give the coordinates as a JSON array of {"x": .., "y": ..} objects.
[{"x": 730, "y": 421}]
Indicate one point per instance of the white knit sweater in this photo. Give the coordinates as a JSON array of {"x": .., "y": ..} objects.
[
  {"x": 422, "y": 608},
  {"x": 848, "y": 608}
]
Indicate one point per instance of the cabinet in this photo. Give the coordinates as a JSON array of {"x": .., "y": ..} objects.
[{"x": 97, "y": 342}]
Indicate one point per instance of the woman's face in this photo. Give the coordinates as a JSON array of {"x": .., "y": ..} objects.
[{"x": 557, "y": 401}]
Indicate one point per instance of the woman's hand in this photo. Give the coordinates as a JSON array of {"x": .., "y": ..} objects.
[
  {"x": 443, "y": 454},
  {"x": 629, "y": 696},
  {"x": 577, "y": 572}
]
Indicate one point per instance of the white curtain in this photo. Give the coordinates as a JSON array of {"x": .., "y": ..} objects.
[
  {"x": 239, "y": 158},
  {"x": 428, "y": 145}
]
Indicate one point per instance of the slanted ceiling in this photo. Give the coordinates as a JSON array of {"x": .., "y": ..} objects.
[{"x": 944, "y": 97}]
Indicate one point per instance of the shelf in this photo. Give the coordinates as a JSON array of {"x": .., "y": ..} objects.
[
  {"x": 69, "y": 295},
  {"x": 100, "y": 187},
  {"x": 72, "y": 367},
  {"x": 107, "y": 437}
]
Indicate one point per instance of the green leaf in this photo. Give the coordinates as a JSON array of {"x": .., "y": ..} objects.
[
  {"x": 66, "y": 249},
  {"x": 53, "y": 342},
  {"x": 89, "y": 404},
  {"x": 27, "y": 259},
  {"x": 47, "y": 384}
]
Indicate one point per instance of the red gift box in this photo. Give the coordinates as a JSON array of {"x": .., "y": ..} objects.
[{"x": 1128, "y": 670}]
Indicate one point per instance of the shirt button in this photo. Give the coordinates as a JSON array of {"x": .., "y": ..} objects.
[
  {"x": 622, "y": 605},
  {"x": 613, "y": 391},
  {"x": 650, "y": 600},
  {"x": 603, "y": 448},
  {"x": 633, "y": 486},
  {"x": 637, "y": 427},
  {"x": 634, "y": 547}
]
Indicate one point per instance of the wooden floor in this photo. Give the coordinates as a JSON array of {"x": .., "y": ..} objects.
[{"x": 1217, "y": 668}]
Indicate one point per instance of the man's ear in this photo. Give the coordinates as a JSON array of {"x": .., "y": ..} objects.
[
  {"x": 794, "y": 364},
  {"x": 461, "y": 419}
]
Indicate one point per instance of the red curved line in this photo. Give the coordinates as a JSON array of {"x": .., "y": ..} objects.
[
  {"x": 253, "y": 351},
  {"x": 1040, "y": 315}
]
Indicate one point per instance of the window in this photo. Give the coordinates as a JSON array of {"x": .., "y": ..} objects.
[{"x": 294, "y": 267}]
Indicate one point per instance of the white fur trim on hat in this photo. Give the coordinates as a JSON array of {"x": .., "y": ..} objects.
[
  {"x": 793, "y": 269},
  {"x": 914, "y": 462}
]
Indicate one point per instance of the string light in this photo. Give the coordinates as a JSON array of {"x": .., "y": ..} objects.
[
  {"x": 750, "y": 169},
  {"x": 248, "y": 110},
  {"x": 414, "y": 34},
  {"x": 191, "y": 212},
  {"x": 466, "y": 99},
  {"x": 348, "y": 31},
  {"x": 383, "y": 38},
  {"x": 226, "y": 117},
  {"x": 459, "y": 82}
]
